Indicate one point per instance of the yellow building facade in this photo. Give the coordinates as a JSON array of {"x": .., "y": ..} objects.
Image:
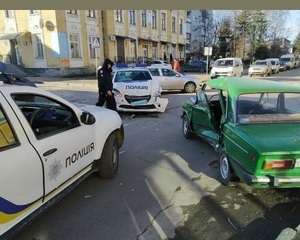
[{"x": 75, "y": 42}]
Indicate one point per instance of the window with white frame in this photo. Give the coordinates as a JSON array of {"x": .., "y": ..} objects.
[
  {"x": 9, "y": 14},
  {"x": 74, "y": 45},
  {"x": 173, "y": 25},
  {"x": 72, "y": 12},
  {"x": 144, "y": 18},
  {"x": 132, "y": 17},
  {"x": 180, "y": 26},
  {"x": 119, "y": 16},
  {"x": 39, "y": 49},
  {"x": 33, "y": 12},
  {"x": 91, "y": 13},
  {"x": 154, "y": 19},
  {"x": 163, "y": 21}
]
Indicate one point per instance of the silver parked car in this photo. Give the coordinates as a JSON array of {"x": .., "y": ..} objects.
[{"x": 172, "y": 80}]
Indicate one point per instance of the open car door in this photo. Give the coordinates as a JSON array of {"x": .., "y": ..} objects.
[{"x": 204, "y": 119}]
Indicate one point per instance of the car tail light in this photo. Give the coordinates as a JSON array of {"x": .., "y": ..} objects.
[{"x": 278, "y": 164}]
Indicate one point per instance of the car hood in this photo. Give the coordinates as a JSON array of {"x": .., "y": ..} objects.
[
  {"x": 273, "y": 137},
  {"x": 137, "y": 88}
]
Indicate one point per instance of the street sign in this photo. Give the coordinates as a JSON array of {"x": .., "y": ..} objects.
[
  {"x": 95, "y": 42},
  {"x": 207, "y": 51}
]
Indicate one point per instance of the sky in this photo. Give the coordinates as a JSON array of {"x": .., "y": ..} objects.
[{"x": 293, "y": 22}]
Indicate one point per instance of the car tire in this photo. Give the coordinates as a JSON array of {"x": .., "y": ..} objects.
[
  {"x": 189, "y": 87},
  {"x": 224, "y": 168},
  {"x": 109, "y": 161},
  {"x": 186, "y": 129}
]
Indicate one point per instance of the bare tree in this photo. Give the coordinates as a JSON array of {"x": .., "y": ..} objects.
[{"x": 276, "y": 24}]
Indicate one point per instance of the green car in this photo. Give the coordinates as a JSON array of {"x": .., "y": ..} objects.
[{"x": 253, "y": 125}]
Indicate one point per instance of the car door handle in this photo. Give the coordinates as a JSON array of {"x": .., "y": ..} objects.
[{"x": 49, "y": 152}]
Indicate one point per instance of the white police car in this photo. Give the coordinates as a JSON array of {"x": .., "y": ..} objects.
[
  {"x": 137, "y": 91},
  {"x": 47, "y": 146}
]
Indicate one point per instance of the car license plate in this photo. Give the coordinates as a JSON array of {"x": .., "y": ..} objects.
[
  {"x": 297, "y": 163},
  {"x": 136, "y": 103}
]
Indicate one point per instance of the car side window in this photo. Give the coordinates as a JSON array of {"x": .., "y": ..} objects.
[
  {"x": 7, "y": 137},
  {"x": 45, "y": 116},
  {"x": 154, "y": 71},
  {"x": 168, "y": 72}
]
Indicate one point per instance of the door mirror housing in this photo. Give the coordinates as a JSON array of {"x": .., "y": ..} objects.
[{"x": 87, "y": 118}]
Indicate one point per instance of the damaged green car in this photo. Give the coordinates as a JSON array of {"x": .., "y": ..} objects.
[{"x": 253, "y": 125}]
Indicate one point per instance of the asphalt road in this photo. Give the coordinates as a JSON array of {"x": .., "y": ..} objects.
[{"x": 162, "y": 180}]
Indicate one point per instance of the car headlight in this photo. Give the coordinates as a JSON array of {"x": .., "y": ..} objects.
[{"x": 117, "y": 93}]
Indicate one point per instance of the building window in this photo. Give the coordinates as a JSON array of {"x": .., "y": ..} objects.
[
  {"x": 9, "y": 14},
  {"x": 181, "y": 26},
  {"x": 74, "y": 45},
  {"x": 132, "y": 17},
  {"x": 144, "y": 18},
  {"x": 92, "y": 50},
  {"x": 119, "y": 16},
  {"x": 163, "y": 21},
  {"x": 33, "y": 12},
  {"x": 72, "y": 12},
  {"x": 91, "y": 13},
  {"x": 173, "y": 25},
  {"x": 39, "y": 50},
  {"x": 154, "y": 19},
  {"x": 133, "y": 50},
  {"x": 154, "y": 52}
]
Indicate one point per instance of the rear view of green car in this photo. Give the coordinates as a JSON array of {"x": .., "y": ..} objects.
[{"x": 253, "y": 125}]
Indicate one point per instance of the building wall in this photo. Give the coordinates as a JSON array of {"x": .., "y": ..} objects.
[{"x": 58, "y": 41}]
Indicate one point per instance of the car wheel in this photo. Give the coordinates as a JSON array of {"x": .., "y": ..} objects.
[
  {"x": 109, "y": 161},
  {"x": 224, "y": 168},
  {"x": 186, "y": 129},
  {"x": 190, "y": 87}
]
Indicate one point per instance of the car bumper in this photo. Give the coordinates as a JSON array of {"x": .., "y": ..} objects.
[
  {"x": 159, "y": 105},
  {"x": 272, "y": 181}
]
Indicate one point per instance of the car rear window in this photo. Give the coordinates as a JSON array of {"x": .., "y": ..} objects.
[
  {"x": 268, "y": 108},
  {"x": 129, "y": 76}
]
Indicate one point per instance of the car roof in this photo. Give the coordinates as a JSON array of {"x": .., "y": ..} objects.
[
  {"x": 239, "y": 85},
  {"x": 132, "y": 69}
]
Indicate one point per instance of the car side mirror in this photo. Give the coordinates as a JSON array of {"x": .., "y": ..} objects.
[
  {"x": 177, "y": 75},
  {"x": 87, "y": 118}
]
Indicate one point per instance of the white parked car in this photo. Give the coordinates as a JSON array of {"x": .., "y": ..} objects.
[
  {"x": 47, "y": 146},
  {"x": 227, "y": 67},
  {"x": 161, "y": 63},
  {"x": 260, "y": 67},
  {"x": 137, "y": 91},
  {"x": 172, "y": 80},
  {"x": 275, "y": 64}
]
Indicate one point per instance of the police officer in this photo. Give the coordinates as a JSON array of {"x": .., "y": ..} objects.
[{"x": 105, "y": 86}]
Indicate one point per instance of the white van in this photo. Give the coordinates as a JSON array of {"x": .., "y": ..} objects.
[
  {"x": 289, "y": 60},
  {"x": 275, "y": 64},
  {"x": 227, "y": 67}
]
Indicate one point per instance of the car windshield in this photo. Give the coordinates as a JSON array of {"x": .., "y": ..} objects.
[
  {"x": 285, "y": 59},
  {"x": 258, "y": 108},
  {"x": 130, "y": 76},
  {"x": 260, "y": 63},
  {"x": 223, "y": 63}
]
